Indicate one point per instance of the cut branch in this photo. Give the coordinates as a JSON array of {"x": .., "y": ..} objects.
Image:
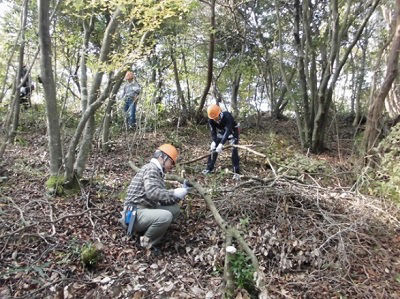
[{"x": 226, "y": 228}]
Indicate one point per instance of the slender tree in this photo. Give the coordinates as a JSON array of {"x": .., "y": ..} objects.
[
  {"x": 210, "y": 63},
  {"x": 49, "y": 88}
]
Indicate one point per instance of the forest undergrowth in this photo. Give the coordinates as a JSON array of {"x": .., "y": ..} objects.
[{"x": 314, "y": 233}]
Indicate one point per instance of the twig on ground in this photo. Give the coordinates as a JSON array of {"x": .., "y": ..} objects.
[{"x": 52, "y": 222}]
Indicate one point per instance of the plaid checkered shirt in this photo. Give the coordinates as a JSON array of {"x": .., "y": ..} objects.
[{"x": 147, "y": 188}]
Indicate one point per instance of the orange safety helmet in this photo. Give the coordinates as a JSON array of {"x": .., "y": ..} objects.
[
  {"x": 129, "y": 75},
  {"x": 213, "y": 111},
  {"x": 169, "y": 150}
]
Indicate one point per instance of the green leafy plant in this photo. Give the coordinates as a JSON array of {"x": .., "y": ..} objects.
[
  {"x": 174, "y": 138},
  {"x": 21, "y": 141},
  {"x": 244, "y": 223},
  {"x": 90, "y": 255},
  {"x": 386, "y": 179},
  {"x": 243, "y": 272}
]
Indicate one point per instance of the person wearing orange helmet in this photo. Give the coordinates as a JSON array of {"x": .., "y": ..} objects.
[
  {"x": 149, "y": 207},
  {"x": 130, "y": 94},
  {"x": 223, "y": 128}
]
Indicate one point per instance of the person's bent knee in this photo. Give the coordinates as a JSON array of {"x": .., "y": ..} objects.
[
  {"x": 165, "y": 217},
  {"x": 175, "y": 210}
]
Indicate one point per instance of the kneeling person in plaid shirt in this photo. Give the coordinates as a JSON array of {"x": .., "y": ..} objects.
[{"x": 152, "y": 206}]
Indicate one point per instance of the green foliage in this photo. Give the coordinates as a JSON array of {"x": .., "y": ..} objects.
[
  {"x": 278, "y": 149},
  {"x": 156, "y": 115},
  {"x": 386, "y": 180},
  {"x": 70, "y": 255},
  {"x": 20, "y": 140},
  {"x": 174, "y": 138},
  {"x": 299, "y": 164},
  {"x": 122, "y": 195},
  {"x": 358, "y": 139},
  {"x": 243, "y": 271},
  {"x": 90, "y": 255},
  {"x": 244, "y": 223},
  {"x": 397, "y": 277},
  {"x": 288, "y": 161},
  {"x": 55, "y": 185}
]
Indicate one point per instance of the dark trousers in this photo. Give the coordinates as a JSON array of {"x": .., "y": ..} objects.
[{"x": 212, "y": 158}]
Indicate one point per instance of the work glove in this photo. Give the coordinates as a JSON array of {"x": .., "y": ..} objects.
[
  {"x": 232, "y": 141},
  {"x": 180, "y": 192},
  {"x": 219, "y": 148},
  {"x": 22, "y": 90},
  {"x": 212, "y": 146}
]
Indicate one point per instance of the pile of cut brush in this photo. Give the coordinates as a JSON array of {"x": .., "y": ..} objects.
[{"x": 314, "y": 241}]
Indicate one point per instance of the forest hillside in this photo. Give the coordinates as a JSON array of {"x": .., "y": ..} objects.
[
  {"x": 313, "y": 234},
  {"x": 113, "y": 108}
]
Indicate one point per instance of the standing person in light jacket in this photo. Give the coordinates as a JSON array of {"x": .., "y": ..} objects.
[
  {"x": 154, "y": 207},
  {"x": 130, "y": 94},
  {"x": 223, "y": 128}
]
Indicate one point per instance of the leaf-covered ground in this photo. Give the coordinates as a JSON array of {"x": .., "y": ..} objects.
[{"x": 314, "y": 236}]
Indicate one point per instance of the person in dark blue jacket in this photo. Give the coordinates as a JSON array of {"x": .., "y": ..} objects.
[{"x": 223, "y": 128}]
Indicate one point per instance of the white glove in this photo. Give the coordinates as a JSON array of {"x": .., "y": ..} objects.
[
  {"x": 212, "y": 146},
  {"x": 180, "y": 192},
  {"x": 219, "y": 148},
  {"x": 22, "y": 90}
]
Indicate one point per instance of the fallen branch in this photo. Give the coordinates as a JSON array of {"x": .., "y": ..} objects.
[
  {"x": 227, "y": 229},
  {"x": 228, "y": 275}
]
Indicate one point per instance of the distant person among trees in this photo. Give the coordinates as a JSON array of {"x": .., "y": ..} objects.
[
  {"x": 223, "y": 128},
  {"x": 130, "y": 95},
  {"x": 149, "y": 207},
  {"x": 26, "y": 88}
]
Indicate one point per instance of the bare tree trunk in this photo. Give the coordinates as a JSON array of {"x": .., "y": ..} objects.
[
  {"x": 88, "y": 27},
  {"x": 199, "y": 111},
  {"x": 9, "y": 61},
  {"x": 283, "y": 101},
  {"x": 181, "y": 96},
  {"x": 86, "y": 142},
  {"x": 91, "y": 109},
  {"x": 159, "y": 86},
  {"x": 79, "y": 166},
  {"x": 189, "y": 100},
  {"x": 305, "y": 115},
  {"x": 287, "y": 81},
  {"x": 49, "y": 87},
  {"x": 374, "y": 126},
  {"x": 331, "y": 75},
  {"x": 16, "y": 103},
  {"x": 105, "y": 136},
  {"x": 360, "y": 82},
  {"x": 235, "y": 92}
]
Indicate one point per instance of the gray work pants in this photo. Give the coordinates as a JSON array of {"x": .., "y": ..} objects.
[{"x": 155, "y": 222}]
